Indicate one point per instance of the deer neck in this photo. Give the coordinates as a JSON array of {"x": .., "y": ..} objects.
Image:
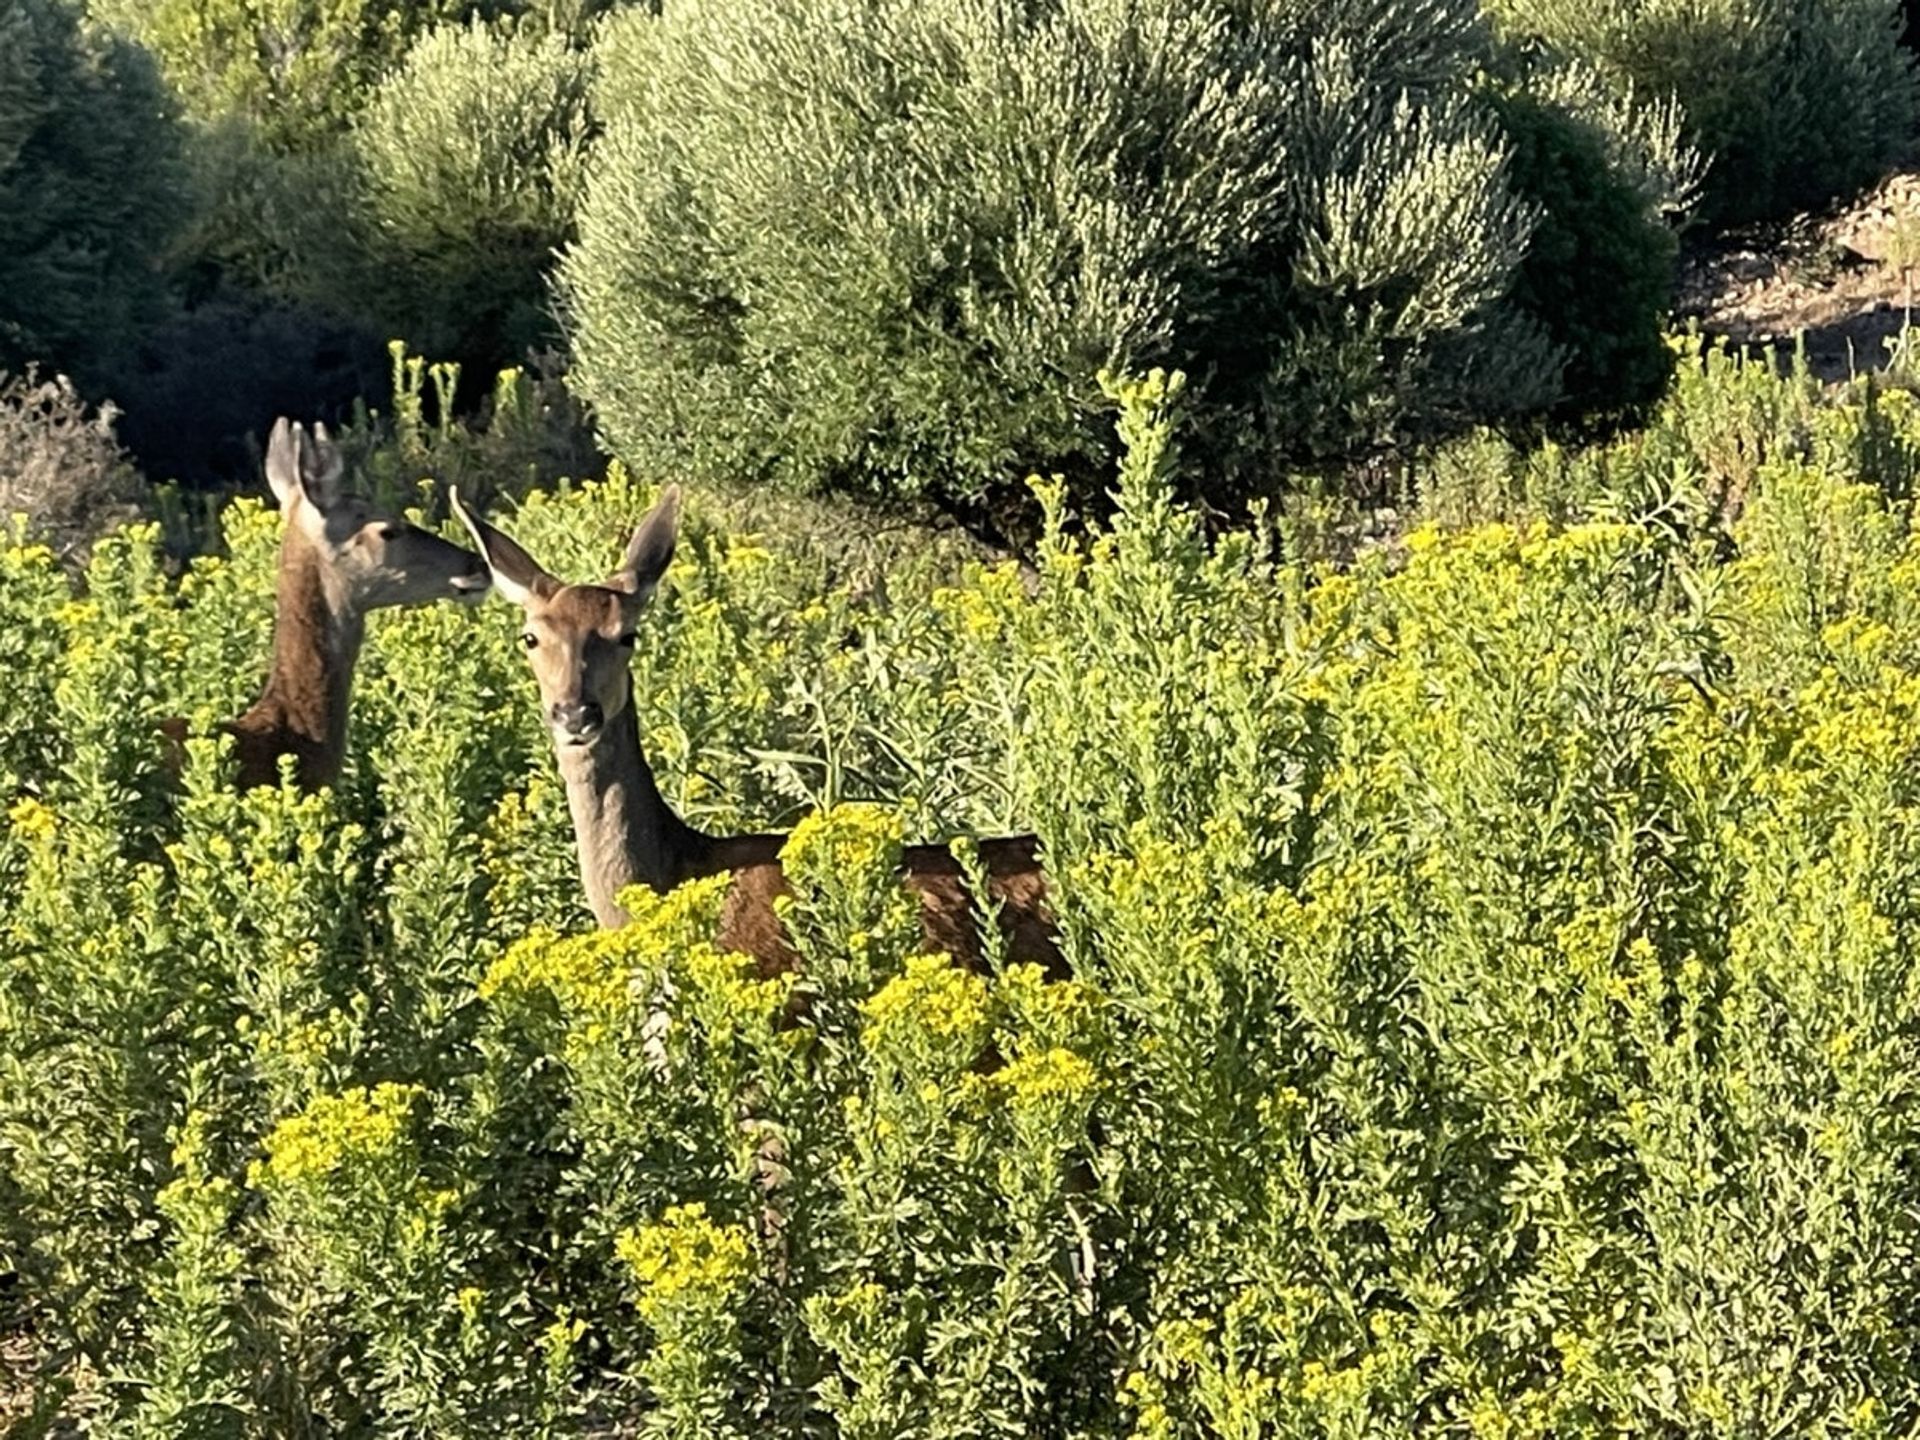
[
  {"x": 626, "y": 832},
  {"x": 317, "y": 633}
]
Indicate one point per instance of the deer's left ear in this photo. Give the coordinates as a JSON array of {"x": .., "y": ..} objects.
[
  {"x": 322, "y": 466},
  {"x": 283, "y": 463},
  {"x": 651, "y": 549}
]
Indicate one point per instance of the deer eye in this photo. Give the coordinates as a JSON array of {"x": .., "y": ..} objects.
[
  {"x": 390, "y": 532},
  {"x": 529, "y": 639},
  {"x": 626, "y": 641}
]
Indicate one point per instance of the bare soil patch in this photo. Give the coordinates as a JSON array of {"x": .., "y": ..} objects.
[{"x": 1827, "y": 277}]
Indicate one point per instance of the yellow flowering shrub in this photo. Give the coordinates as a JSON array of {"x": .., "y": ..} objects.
[
  {"x": 684, "y": 1260},
  {"x": 31, "y": 819},
  {"x": 339, "y": 1133},
  {"x": 690, "y": 1275},
  {"x": 932, "y": 1010},
  {"x": 1487, "y": 1000},
  {"x": 850, "y": 914}
]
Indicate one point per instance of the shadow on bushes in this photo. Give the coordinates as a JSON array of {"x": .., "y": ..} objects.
[{"x": 203, "y": 386}]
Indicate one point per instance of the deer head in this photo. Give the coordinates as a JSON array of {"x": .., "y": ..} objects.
[
  {"x": 369, "y": 559},
  {"x": 579, "y": 638}
]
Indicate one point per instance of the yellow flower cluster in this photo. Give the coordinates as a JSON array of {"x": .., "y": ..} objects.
[
  {"x": 28, "y": 557},
  {"x": 864, "y": 1302},
  {"x": 1156, "y": 876},
  {"x": 1875, "y": 725},
  {"x": 932, "y": 996},
  {"x": 1283, "y": 1109},
  {"x": 982, "y": 607},
  {"x": 303, "y": 1042},
  {"x": 32, "y": 820},
  {"x": 76, "y": 614},
  {"x": 1489, "y": 568},
  {"x": 730, "y": 987},
  {"x": 1057, "y": 1012},
  {"x": 359, "y": 1124},
  {"x": 1858, "y": 638},
  {"x": 684, "y": 1254},
  {"x": 1152, "y": 1420},
  {"x": 601, "y": 976},
  {"x": 1601, "y": 540},
  {"x": 1055, "y": 1077},
  {"x": 587, "y": 973},
  {"x": 846, "y": 839},
  {"x": 516, "y": 814}
]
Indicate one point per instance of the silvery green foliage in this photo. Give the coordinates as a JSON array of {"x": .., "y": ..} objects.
[
  {"x": 469, "y": 161},
  {"x": 891, "y": 244},
  {"x": 1794, "y": 101},
  {"x": 1645, "y": 134},
  {"x": 298, "y": 69}
]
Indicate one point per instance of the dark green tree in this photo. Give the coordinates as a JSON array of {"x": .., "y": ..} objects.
[
  {"x": 89, "y": 175},
  {"x": 1599, "y": 268}
]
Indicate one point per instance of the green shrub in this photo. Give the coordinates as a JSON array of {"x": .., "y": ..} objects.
[
  {"x": 88, "y": 178},
  {"x": 1599, "y": 268},
  {"x": 1794, "y": 101},
  {"x": 298, "y": 69},
  {"x": 573, "y": 18},
  {"x": 469, "y": 160},
  {"x": 890, "y": 247}
]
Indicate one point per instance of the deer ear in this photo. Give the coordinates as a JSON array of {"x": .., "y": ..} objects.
[
  {"x": 283, "y": 463},
  {"x": 516, "y": 574},
  {"x": 651, "y": 549},
  {"x": 322, "y": 467},
  {"x": 307, "y": 466}
]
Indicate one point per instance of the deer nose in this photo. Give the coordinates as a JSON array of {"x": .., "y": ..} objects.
[{"x": 580, "y": 721}]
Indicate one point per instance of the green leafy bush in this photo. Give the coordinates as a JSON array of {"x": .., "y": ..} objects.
[
  {"x": 469, "y": 160},
  {"x": 890, "y": 247},
  {"x": 297, "y": 69},
  {"x": 88, "y": 178},
  {"x": 1795, "y": 101},
  {"x": 1599, "y": 266}
]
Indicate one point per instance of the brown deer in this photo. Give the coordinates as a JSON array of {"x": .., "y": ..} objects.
[
  {"x": 339, "y": 559},
  {"x": 579, "y": 639}
]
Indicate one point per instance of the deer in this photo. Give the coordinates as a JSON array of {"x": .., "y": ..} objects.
[
  {"x": 579, "y": 639},
  {"x": 340, "y": 559}
]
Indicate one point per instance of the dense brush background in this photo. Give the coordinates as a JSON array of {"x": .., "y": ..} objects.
[{"x": 1472, "y": 733}]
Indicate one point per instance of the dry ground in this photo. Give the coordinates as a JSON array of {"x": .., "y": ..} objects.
[{"x": 1827, "y": 276}]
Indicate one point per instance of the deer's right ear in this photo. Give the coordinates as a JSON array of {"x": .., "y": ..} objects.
[{"x": 516, "y": 574}]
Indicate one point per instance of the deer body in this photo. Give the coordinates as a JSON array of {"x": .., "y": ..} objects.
[
  {"x": 579, "y": 638},
  {"x": 338, "y": 561},
  {"x": 302, "y": 710}
]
